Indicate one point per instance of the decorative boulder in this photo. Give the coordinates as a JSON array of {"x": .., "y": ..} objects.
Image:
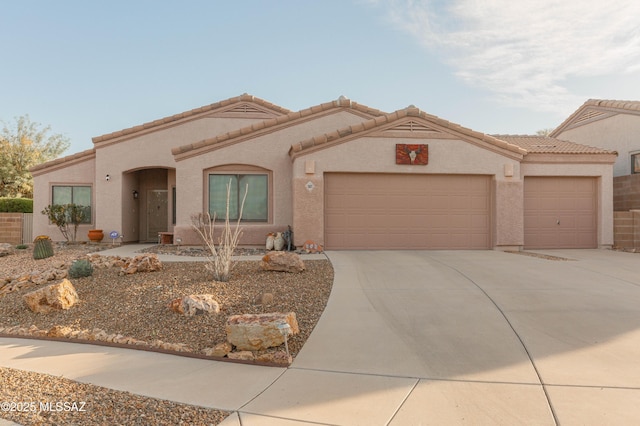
[
  {"x": 142, "y": 263},
  {"x": 195, "y": 304},
  {"x": 241, "y": 356},
  {"x": 52, "y": 297},
  {"x": 254, "y": 332},
  {"x": 5, "y": 249},
  {"x": 219, "y": 350},
  {"x": 278, "y": 358},
  {"x": 282, "y": 262},
  {"x": 59, "y": 331}
]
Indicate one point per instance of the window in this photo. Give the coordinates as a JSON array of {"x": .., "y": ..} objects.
[
  {"x": 635, "y": 163},
  {"x": 256, "y": 206},
  {"x": 79, "y": 195}
]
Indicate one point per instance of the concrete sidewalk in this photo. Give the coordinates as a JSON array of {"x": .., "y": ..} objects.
[{"x": 418, "y": 337}]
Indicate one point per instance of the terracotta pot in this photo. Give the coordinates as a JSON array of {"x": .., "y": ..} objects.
[{"x": 96, "y": 235}]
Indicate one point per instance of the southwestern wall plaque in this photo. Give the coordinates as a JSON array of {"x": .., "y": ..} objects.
[{"x": 412, "y": 154}]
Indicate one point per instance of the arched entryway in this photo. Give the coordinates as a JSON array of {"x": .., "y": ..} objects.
[{"x": 148, "y": 203}]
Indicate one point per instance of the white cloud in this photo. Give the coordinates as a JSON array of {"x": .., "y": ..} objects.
[{"x": 526, "y": 51}]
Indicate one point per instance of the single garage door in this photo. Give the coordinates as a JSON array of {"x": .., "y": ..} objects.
[
  {"x": 560, "y": 212},
  {"x": 397, "y": 211}
]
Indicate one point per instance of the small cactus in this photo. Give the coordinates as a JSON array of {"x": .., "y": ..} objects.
[
  {"x": 42, "y": 247},
  {"x": 80, "y": 268}
]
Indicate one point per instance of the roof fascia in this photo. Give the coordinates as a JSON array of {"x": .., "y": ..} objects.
[
  {"x": 607, "y": 109},
  {"x": 187, "y": 116},
  {"x": 567, "y": 158},
  {"x": 376, "y": 126},
  {"x": 273, "y": 125},
  {"x": 61, "y": 163}
]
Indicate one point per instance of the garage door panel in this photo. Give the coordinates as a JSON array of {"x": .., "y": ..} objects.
[
  {"x": 560, "y": 212},
  {"x": 407, "y": 211},
  {"x": 479, "y": 222}
]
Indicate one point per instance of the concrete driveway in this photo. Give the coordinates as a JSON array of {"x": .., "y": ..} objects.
[{"x": 478, "y": 337}]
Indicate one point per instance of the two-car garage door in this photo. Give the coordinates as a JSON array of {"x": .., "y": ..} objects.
[{"x": 398, "y": 211}]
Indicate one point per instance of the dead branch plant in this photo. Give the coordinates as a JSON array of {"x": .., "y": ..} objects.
[{"x": 219, "y": 257}]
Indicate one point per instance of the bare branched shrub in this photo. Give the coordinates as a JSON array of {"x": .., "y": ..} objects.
[{"x": 219, "y": 261}]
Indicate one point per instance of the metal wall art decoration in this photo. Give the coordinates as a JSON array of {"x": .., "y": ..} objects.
[{"x": 412, "y": 154}]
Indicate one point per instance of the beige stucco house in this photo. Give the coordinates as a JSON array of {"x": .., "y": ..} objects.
[
  {"x": 613, "y": 125},
  {"x": 341, "y": 174}
]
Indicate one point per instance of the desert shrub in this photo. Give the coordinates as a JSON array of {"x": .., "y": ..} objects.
[
  {"x": 80, "y": 268},
  {"x": 22, "y": 246},
  {"x": 219, "y": 261},
  {"x": 67, "y": 217}
]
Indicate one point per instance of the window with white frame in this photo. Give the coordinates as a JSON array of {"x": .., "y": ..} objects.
[
  {"x": 73, "y": 194},
  {"x": 256, "y": 206},
  {"x": 635, "y": 163}
]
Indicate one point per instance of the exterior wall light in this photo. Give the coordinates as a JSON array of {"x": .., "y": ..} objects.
[{"x": 135, "y": 194}]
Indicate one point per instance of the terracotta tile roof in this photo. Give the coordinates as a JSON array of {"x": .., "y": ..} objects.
[
  {"x": 549, "y": 145},
  {"x": 411, "y": 111},
  {"x": 342, "y": 102},
  {"x": 83, "y": 155},
  {"x": 194, "y": 112},
  {"x": 599, "y": 107}
]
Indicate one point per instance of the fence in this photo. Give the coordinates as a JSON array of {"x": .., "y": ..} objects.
[
  {"x": 16, "y": 228},
  {"x": 626, "y": 229},
  {"x": 27, "y": 228}
]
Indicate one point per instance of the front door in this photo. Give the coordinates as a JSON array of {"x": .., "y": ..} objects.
[{"x": 157, "y": 213}]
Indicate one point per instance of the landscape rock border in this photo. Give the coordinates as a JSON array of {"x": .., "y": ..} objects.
[{"x": 101, "y": 338}]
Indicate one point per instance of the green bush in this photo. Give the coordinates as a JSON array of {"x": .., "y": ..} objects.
[
  {"x": 80, "y": 268},
  {"x": 16, "y": 205},
  {"x": 22, "y": 246}
]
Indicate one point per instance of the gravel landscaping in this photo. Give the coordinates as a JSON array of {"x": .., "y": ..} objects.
[
  {"x": 41, "y": 399},
  {"x": 136, "y": 306}
]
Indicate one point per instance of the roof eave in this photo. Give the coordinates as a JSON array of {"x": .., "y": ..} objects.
[
  {"x": 347, "y": 133},
  {"x": 62, "y": 162},
  {"x": 271, "y": 125},
  {"x": 186, "y": 116}
]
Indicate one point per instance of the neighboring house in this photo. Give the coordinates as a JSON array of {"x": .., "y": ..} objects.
[
  {"x": 341, "y": 174},
  {"x": 613, "y": 125}
]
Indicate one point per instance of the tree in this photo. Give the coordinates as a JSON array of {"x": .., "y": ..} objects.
[
  {"x": 24, "y": 144},
  {"x": 544, "y": 132}
]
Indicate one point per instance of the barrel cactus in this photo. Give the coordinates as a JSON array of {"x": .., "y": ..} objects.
[
  {"x": 42, "y": 247},
  {"x": 80, "y": 268}
]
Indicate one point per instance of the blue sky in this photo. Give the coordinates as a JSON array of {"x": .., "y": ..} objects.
[{"x": 497, "y": 66}]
